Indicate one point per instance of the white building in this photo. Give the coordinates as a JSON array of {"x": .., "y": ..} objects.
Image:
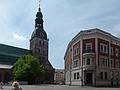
[{"x": 59, "y": 76}]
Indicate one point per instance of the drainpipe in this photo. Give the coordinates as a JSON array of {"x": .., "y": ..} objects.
[
  {"x": 70, "y": 75},
  {"x": 82, "y": 73},
  {"x": 82, "y": 63},
  {"x": 70, "y": 66}
]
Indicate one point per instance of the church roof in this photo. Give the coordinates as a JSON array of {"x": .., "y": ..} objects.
[
  {"x": 39, "y": 30},
  {"x": 9, "y": 54},
  {"x": 40, "y": 33}
]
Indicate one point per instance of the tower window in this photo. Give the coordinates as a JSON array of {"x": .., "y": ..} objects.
[{"x": 36, "y": 27}]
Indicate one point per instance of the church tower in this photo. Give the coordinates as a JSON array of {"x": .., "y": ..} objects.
[
  {"x": 39, "y": 44},
  {"x": 39, "y": 40}
]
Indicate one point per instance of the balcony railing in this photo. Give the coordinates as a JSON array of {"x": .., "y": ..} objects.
[{"x": 89, "y": 51}]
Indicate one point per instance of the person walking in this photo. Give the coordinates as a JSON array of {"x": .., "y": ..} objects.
[{"x": 15, "y": 86}]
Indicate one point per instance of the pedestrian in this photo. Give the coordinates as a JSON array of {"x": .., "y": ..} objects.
[
  {"x": 1, "y": 85},
  {"x": 15, "y": 86}
]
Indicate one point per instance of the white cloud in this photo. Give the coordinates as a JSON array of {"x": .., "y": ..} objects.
[
  {"x": 116, "y": 30},
  {"x": 18, "y": 37},
  {"x": 62, "y": 20}
]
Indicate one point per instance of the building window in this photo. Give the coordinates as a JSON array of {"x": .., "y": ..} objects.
[
  {"x": 101, "y": 75},
  {"x": 111, "y": 62},
  {"x": 76, "y": 51},
  {"x": 112, "y": 75},
  {"x": 117, "y": 63},
  {"x": 39, "y": 50},
  {"x": 88, "y": 61},
  {"x": 74, "y": 75},
  {"x": 105, "y": 61},
  {"x": 77, "y": 75},
  {"x": 103, "y": 48},
  {"x": 112, "y": 51},
  {"x": 105, "y": 75},
  {"x": 88, "y": 47},
  {"x": 39, "y": 43},
  {"x": 117, "y": 75},
  {"x": 75, "y": 63},
  {"x": 117, "y": 52},
  {"x": 43, "y": 43}
]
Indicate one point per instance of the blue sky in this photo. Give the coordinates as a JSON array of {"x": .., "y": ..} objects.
[{"x": 63, "y": 19}]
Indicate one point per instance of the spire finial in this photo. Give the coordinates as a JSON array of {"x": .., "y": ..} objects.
[{"x": 39, "y": 4}]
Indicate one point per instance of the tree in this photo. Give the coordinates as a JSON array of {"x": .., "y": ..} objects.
[{"x": 27, "y": 68}]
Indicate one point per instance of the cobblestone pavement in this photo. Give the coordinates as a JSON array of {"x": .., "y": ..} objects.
[{"x": 57, "y": 87}]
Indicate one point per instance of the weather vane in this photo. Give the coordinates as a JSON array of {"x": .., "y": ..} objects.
[{"x": 39, "y": 3}]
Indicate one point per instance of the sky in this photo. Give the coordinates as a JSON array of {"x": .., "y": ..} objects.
[{"x": 63, "y": 19}]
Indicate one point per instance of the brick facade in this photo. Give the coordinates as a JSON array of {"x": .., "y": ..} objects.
[{"x": 98, "y": 55}]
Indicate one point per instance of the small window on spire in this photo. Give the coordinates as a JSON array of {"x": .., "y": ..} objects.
[{"x": 36, "y": 27}]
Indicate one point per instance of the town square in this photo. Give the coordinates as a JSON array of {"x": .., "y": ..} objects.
[
  {"x": 59, "y": 45},
  {"x": 58, "y": 87}
]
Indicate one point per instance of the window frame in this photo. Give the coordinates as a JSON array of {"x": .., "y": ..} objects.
[{"x": 88, "y": 46}]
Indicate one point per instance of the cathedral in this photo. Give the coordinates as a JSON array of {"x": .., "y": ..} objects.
[{"x": 39, "y": 44}]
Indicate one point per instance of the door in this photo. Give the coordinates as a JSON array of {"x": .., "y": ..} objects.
[{"x": 88, "y": 78}]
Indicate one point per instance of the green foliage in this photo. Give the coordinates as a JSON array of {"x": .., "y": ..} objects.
[{"x": 27, "y": 68}]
